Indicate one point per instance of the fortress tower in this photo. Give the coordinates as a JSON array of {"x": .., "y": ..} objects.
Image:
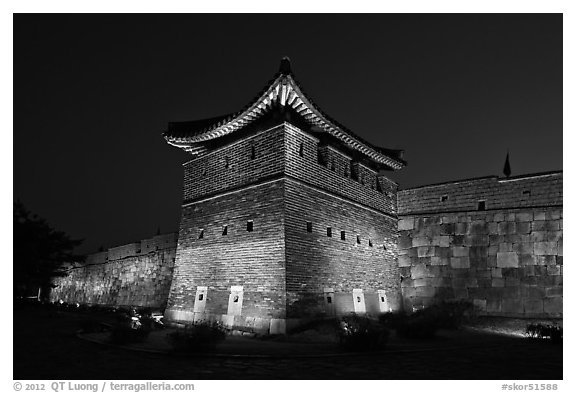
[{"x": 286, "y": 216}]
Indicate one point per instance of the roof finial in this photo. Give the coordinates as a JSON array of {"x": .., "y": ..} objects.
[
  {"x": 507, "y": 170},
  {"x": 285, "y": 67}
]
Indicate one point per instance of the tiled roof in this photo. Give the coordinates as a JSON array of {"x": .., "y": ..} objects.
[{"x": 282, "y": 90}]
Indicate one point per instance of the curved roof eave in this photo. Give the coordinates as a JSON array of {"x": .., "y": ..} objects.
[{"x": 283, "y": 89}]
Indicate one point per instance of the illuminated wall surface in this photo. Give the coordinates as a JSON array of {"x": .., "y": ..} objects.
[
  {"x": 288, "y": 216},
  {"x": 506, "y": 257},
  {"x": 136, "y": 274}
]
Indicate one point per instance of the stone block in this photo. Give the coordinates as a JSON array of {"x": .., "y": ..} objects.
[
  {"x": 460, "y": 293},
  {"x": 277, "y": 326},
  {"x": 439, "y": 261},
  {"x": 554, "y": 292},
  {"x": 494, "y": 305},
  {"x": 425, "y": 291},
  {"x": 404, "y": 241},
  {"x": 441, "y": 241},
  {"x": 492, "y": 228},
  {"x": 523, "y": 227},
  {"x": 527, "y": 260},
  {"x": 506, "y": 227},
  {"x": 421, "y": 241},
  {"x": 545, "y": 248},
  {"x": 493, "y": 249},
  {"x": 480, "y": 304},
  {"x": 498, "y": 282},
  {"x": 498, "y": 217},
  {"x": 538, "y": 236},
  {"x": 504, "y": 247},
  {"x": 461, "y": 228},
  {"x": 496, "y": 272},
  {"x": 404, "y": 260},
  {"x": 528, "y": 271},
  {"x": 491, "y": 261},
  {"x": 524, "y": 216},
  {"x": 561, "y": 247},
  {"x": 510, "y": 216},
  {"x": 476, "y": 240},
  {"x": 512, "y": 306},
  {"x": 523, "y": 248},
  {"x": 457, "y": 240},
  {"x": 426, "y": 251},
  {"x": 553, "y": 305},
  {"x": 539, "y": 216},
  {"x": 419, "y": 271},
  {"x": 449, "y": 219},
  {"x": 460, "y": 262},
  {"x": 533, "y": 292},
  {"x": 460, "y": 251},
  {"x": 444, "y": 252},
  {"x": 447, "y": 229},
  {"x": 478, "y": 227},
  {"x": 507, "y": 259},
  {"x": 545, "y": 260},
  {"x": 533, "y": 307},
  {"x": 553, "y": 270},
  {"x": 484, "y": 273},
  {"x": 422, "y": 282},
  {"x": 406, "y": 224},
  {"x": 554, "y": 236}
]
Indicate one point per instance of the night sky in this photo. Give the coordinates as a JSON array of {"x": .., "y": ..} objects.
[{"x": 93, "y": 94}]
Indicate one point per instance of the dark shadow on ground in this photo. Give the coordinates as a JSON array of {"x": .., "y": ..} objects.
[{"x": 46, "y": 347}]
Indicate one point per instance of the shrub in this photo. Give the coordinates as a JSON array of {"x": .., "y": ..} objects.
[
  {"x": 418, "y": 325},
  {"x": 361, "y": 333},
  {"x": 200, "y": 337},
  {"x": 550, "y": 332},
  {"x": 425, "y": 322}
]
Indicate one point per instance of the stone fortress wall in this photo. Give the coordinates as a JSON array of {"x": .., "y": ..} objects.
[
  {"x": 135, "y": 274},
  {"x": 507, "y": 259},
  {"x": 497, "y": 242}
]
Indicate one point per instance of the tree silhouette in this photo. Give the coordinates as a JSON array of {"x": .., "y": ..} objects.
[{"x": 39, "y": 252}]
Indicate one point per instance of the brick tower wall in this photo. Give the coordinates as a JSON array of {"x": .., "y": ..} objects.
[
  {"x": 320, "y": 194},
  {"x": 228, "y": 187},
  {"x": 508, "y": 259}
]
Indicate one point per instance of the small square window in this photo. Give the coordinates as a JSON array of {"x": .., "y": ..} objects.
[
  {"x": 358, "y": 299},
  {"x": 252, "y": 152},
  {"x": 236, "y": 298},
  {"x": 370, "y": 243},
  {"x": 481, "y": 205},
  {"x": 226, "y": 162},
  {"x": 201, "y": 297},
  {"x": 329, "y": 299},
  {"x": 342, "y": 235},
  {"x": 443, "y": 198},
  {"x": 382, "y": 299},
  {"x": 201, "y": 234},
  {"x": 225, "y": 230},
  {"x": 250, "y": 226},
  {"x": 329, "y": 232},
  {"x": 301, "y": 150},
  {"x": 526, "y": 193},
  {"x": 357, "y": 239},
  {"x": 308, "y": 226}
]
